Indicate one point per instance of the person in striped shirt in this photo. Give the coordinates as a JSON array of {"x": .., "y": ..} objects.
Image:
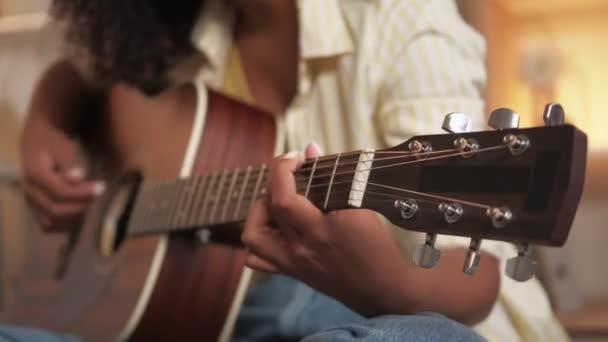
[{"x": 347, "y": 75}]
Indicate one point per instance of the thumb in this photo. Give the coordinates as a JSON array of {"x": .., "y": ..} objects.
[{"x": 313, "y": 150}]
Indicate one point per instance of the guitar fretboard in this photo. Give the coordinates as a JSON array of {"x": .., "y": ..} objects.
[{"x": 225, "y": 197}]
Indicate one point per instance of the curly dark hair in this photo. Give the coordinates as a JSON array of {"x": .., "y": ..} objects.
[{"x": 133, "y": 41}]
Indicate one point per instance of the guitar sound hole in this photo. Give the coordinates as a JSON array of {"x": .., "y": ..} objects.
[
  {"x": 114, "y": 225},
  {"x": 121, "y": 230}
]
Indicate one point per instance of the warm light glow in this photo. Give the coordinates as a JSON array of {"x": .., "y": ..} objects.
[{"x": 582, "y": 84}]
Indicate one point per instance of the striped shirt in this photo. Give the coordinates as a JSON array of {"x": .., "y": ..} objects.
[{"x": 372, "y": 74}]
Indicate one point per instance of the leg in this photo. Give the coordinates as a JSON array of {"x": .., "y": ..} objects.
[
  {"x": 284, "y": 309},
  {"x": 424, "y": 327},
  {"x": 281, "y": 308},
  {"x": 19, "y": 334}
]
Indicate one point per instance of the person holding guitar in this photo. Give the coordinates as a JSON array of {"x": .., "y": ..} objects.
[{"x": 347, "y": 74}]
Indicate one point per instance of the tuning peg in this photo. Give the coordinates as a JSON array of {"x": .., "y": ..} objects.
[
  {"x": 426, "y": 255},
  {"x": 522, "y": 267},
  {"x": 503, "y": 118},
  {"x": 554, "y": 114},
  {"x": 457, "y": 123},
  {"x": 471, "y": 262}
]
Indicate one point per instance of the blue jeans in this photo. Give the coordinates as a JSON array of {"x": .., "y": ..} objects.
[{"x": 283, "y": 309}]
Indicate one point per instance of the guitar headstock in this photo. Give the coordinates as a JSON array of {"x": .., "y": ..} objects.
[{"x": 517, "y": 185}]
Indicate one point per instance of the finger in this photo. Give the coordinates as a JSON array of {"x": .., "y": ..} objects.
[
  {"x": 313, "y": 150},
  {"x": 43, "y": 221},
  {"x": 260, "y": 264},
  {"x": 286, "y": 206},
  {"x": 282, "y": 190},
  {"x": 262, "y": 240},
  {"x": 55, "y": 210},
  {"x": 57, "y": 187}
]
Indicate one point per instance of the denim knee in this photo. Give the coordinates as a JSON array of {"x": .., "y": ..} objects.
[
  {"x": 21, "y": 334},
  {"x": 423, "y": 327}
]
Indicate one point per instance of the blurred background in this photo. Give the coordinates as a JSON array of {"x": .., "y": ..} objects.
[{"x": 538, "y": 51}]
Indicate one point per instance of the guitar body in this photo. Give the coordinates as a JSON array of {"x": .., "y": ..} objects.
[{"x": 154, "y": 288}]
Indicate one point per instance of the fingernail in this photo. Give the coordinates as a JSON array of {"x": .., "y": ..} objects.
[
  {"x": 99, "y": 188},
  {"x": 76, "y": 173},
  {"x": 292, "y": 155},
  {"x": 318, "y": 150}
]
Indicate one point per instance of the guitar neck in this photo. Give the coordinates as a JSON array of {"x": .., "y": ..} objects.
[{"x": 225, "y": 197}]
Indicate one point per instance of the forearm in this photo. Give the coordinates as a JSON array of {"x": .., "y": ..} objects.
[
  {"x": 59, "y": 96},
  {"x": 404, "y": 288},
  {"x": 447, "y": 290}
]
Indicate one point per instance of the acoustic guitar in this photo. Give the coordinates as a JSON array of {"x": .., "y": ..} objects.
[{"x": 158, "y": 255}]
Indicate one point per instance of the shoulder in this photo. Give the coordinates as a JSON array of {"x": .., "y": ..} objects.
[{"x": 400, "y": 21}]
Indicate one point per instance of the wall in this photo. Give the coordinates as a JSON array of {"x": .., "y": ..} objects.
[
  {"x": 23, "y": 56},
  {"x": 577, "y": 32},
  {"x": 578, "y": 37}
]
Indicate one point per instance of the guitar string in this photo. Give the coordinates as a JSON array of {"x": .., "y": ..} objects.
[
  {"x": 242, "y": 213},
  {"x": 408, "y": 155},
  {"x": 248, "y": 198},
  {"x": 316, "y": 176},
  {"x": 487, "y": 149},
  {"x": 241, "y": 171},
  {"x": 443, "y": 198},
  {"x": 396, "y": 197}
]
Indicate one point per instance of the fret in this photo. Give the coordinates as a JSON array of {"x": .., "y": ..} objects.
[
  {"x": 180, "y": 197},
  {"x": 311, "y": 176},
  {"x": 195, "y": 207},
  {"x": 159, "y": 207},
  {"x": 167, "y": 204},
  {"x": 140, "y": 211},
  {"x": 187, "y": 209},
  {"x": 217, "y": 196},
  {"x": 237, "y": 210},
  {"x": 206, "y": 198},
  {"x": 331, "y": 181},
  {"x": 181, "y": 203},
  {"x": 229, "y": 194},
  {"x": 258, "y": 183}
]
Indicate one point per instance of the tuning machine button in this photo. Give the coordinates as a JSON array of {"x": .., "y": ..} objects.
[
  {"x": 503, "y": 118},
  {"x": 522, "y": 267},
  {"x": 471, "y": 261},
  {"x": 553, "y": 114},
  {"x": 426, "y": 255},
  {"x": 408, "y": 207},
  {"x": 420, "y": 148},
  {"x": 518, "y": 144},
  {"x": 466, "y": 146},
  {"x": 452, "y": 212},
  {"x": 500, "y": 216},
  {"x": 457, "y": 123}
]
